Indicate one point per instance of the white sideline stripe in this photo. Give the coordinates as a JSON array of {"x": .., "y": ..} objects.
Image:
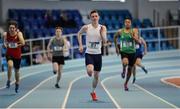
[
  {"x": 159, "y": 98},
  {"x": 110, "y": 96},
  {"x": 69, "y": 89},
  {"x": 163, "y": 80},
  {"x": 9, "y": 107}
]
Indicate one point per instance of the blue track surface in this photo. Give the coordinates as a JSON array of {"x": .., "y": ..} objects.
[{"x": 37, "y": 85}]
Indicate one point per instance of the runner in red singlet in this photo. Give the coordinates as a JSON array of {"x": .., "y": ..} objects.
[{"x": 13, "y": 41}]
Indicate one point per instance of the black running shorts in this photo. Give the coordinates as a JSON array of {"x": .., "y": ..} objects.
[
  {"x": 16, "y": 62},
  {"x": 94, "y": 59},
  {"x": 58, "y": 59},
  {"x": 131, "y": 58}
]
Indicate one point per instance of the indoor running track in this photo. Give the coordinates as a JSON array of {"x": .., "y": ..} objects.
[{"x": 37, "y": 85}]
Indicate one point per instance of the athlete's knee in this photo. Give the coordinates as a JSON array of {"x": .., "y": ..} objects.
[
  {"x": 10, "y": 66},
  {"x": 90, "y": 69},
  {"x": 125, "y": 61},
  {"x": 16, "y": 70}
]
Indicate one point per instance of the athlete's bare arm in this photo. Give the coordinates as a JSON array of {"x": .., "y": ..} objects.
[
  {"x": 65, "y": 48},
  {"x": 5, "y": 39},
  {"x": 21, "y": 39},
  {"x": 82, "y": 30},
  {"x": 117, "y": 34},
  {"x": 49, "y": 44},
  {"x": 103, "y": 32},
  {"x": 145, "y": 46},
  {"x": 136, "y": 35}
]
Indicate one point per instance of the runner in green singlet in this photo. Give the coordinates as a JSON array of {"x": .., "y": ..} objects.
[{"x": 128, "y": 36}]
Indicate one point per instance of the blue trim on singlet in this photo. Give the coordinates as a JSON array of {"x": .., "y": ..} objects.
[{"x": 140, "y": 50}]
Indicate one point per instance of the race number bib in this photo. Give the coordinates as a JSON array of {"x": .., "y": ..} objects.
[
  {"x": 12, "y": 45},
  {"x": 94, "y": 45},
  {"x": 126, "y": 44},
  {"x": 137, "y": 46},
  {"x": 57, "y": 48}
]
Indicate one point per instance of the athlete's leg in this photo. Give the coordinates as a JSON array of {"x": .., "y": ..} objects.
[
  {"x": 124, "y": 64},
  {"x": 97, "y": 68},
  {"x": 131, "y": 62},
  {"x": 128, "y": 77},
  {"x": 17, "y": 76},
  {"x": 59, "y": 73},
  {"x": 9, "y": 74},
  {"x": 138, "y": 63},
  {"x": 95, "y": 80},
  {"x": 55, "y": 67},
  {"x": 90, "y": 69},
  {"x": 89, "y": 64},
  {"x": 17, "y": 63},
  {"x": 134, "y": 73},
  {"x": 55, "y": 70}
]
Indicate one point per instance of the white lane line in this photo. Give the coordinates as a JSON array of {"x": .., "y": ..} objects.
[
  {"x": 157, "y": 54},
  {"x": 24, "y": 76},
  {"x": 69, "y": 90},
  {"x": 67, "y": 94},
  {"x": 114, "y": 66},
  {"x": 157, "y": 97},
  {"x": 102, "y": 83},
  {"x": 70, "y": 85},
  {"x": 156, "y": 73},
  {"x": 76, "y": 80},
  {"x": 110, "y": 96},
  {"x": 10, "y": 106},
  {"x": 163, "y": 80}
]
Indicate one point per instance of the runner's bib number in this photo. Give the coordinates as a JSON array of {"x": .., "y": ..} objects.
[
  {"x": 12, "y": 45},
  {"x": 57, "y": 48},
  {"x": 137, "y": 46},
  {"x": 94, "y": 45},
  {"x": 126, "y": 44}
]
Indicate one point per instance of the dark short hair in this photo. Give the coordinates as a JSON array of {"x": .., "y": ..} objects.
[
  {"x": 13, "y": 22},
  {"x": 128, "y": 19},
  {"x": 58, "y": 27},
  {"x": 93, "y": 11}
]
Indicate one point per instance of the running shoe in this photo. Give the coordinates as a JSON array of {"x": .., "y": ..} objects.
[
  {"x": 8, "y": 84},
  {"x": 16, "y": 88},
  {"x": 143, "y": 68},
  {"x": 94, "y": 97},
  {"x": 123, "y": 75},
  {"x": 54, "y": 72},
  {"x": 125, "y": 87},
  {"x": 57, "y": 86},
  {"x": 134, "y": 80}
]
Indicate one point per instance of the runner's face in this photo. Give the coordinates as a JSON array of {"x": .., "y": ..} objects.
[
  {"x": 127, "y": 23},
  {"x": 94, "y": 17},
  {"x": 58, "y": 32},
  {"x": 12, "y": 29}
]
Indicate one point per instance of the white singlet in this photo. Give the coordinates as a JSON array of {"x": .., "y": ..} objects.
[{"x": 93, "y": 39}]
